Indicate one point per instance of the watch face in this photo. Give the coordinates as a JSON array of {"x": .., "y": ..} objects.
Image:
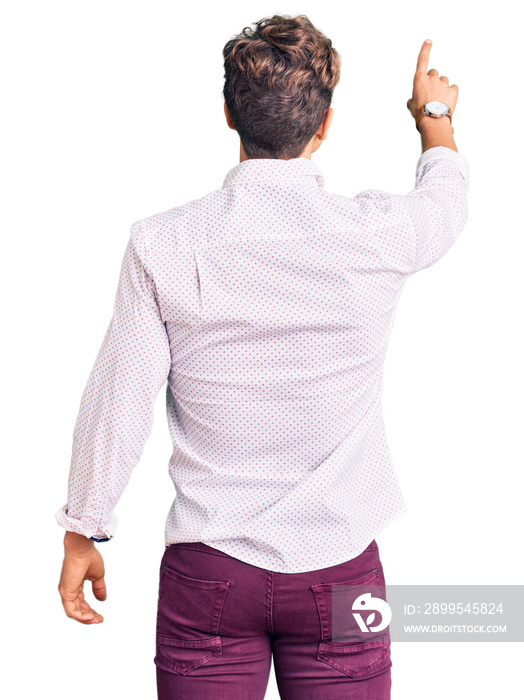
[{"x": 437, "y": 107}]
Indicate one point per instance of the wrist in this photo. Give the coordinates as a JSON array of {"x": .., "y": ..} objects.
[
  {"x": 79, "y": 544},
  {"x": 436, "y": 134},
  {"x": 426, "y": 122}
]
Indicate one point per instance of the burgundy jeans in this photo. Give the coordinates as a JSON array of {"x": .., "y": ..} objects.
[{"x": 221, "y": 621}]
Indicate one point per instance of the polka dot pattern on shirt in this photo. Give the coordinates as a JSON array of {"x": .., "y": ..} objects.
[{"x": 266, "y": 306}]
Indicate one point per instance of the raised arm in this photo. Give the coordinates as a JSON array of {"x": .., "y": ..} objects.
[{"x": 427, "y": 86}]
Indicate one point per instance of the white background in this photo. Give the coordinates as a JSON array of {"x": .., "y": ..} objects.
[{"x": 112, "y": 111}]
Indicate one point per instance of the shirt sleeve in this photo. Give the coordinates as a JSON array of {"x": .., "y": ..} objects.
[
  {"x": 436, "y": 210},
  {"x": 116, "y": 409}
]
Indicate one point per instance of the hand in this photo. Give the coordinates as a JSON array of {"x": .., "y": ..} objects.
[
  {"x": 428, "y": 86},
  {"x": 82, "y": 561}
]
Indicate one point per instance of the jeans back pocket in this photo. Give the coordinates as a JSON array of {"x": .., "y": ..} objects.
[
  {"x": 358, "y": 661},
  {"x": 188, "y": 620},
  {"x": 362, "y": 653}
]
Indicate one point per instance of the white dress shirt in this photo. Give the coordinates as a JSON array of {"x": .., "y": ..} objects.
[{"x": 266, "y": 306}]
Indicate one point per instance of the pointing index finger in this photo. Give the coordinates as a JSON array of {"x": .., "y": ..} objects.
[{"x": 423, "y": 57}]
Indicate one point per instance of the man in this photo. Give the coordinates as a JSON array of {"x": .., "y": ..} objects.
[{"x": 266, "y": 306}]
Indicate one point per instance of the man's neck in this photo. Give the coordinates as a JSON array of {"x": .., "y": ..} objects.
[{"x": 243, "y": 157}]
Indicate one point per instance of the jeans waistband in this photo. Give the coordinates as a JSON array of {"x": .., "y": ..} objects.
[{"x": 200, "y": 546}]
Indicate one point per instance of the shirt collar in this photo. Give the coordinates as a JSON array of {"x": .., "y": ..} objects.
[{"x": 275, "y": 170}]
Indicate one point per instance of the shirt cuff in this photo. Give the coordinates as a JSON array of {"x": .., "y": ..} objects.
[
  {"x": 439, "y": 152},
  {"x": 87, "y": 526}
]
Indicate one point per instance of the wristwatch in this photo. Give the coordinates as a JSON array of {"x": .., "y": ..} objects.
[{"x": 435, "y": 108}]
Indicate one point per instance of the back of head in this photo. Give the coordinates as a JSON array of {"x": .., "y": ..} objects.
[{"x": 279, "y": 81}]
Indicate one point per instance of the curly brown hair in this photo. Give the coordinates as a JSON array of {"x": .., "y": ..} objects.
[{"x": 279, "y": 81}]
